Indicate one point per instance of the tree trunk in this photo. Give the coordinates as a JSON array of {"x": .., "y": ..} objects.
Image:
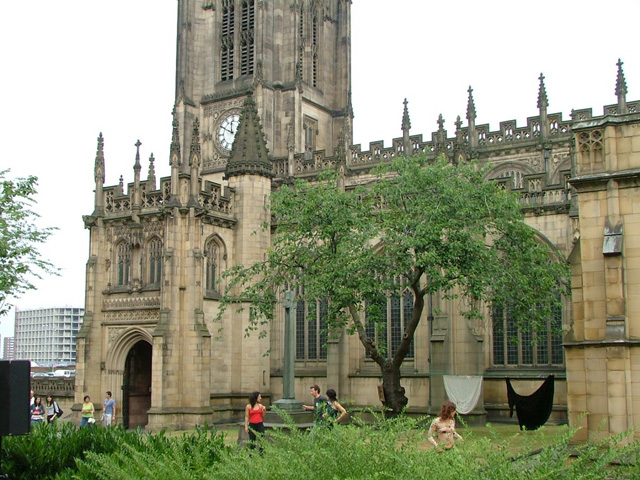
[{"x": 394, "y": 398}]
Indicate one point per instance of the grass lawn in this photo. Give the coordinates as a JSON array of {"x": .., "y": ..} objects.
[{"x": 519, "y": 442}]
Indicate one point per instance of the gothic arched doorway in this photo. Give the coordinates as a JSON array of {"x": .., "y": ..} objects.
[{"x": 136, "y": 386}]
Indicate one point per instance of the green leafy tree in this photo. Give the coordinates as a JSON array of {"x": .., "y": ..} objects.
[
  {"x": 20, "y": 260},
  {"x": 430, "y": 228}
]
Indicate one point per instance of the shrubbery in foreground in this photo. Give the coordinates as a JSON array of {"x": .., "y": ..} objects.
[
  {"x": 60, "y": 451},
  {"x": 387, "y": 449}
]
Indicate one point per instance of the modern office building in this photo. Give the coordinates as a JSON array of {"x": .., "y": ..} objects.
[
  {"x": 8, "y": 348},
  {"x": 47, "y": 335}
]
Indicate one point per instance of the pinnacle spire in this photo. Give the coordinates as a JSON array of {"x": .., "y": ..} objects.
[
  {"x": 136, "y": 166},
  {"x": 194, "y": 152},
  {"x": 621, "y": 89},
  {"x": 249, "y": 154},
  {"x": 151, "y": 177},
  {"x": 99, "y": 165},
  {"x": 174, "y": 151},
  {"x": 543, "y": 101},
  {"x": 406, "y": 121},
  {"x": 471, "y": 106}
]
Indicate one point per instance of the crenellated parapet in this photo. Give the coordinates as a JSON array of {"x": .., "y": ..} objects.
[
  {"x": 214, "y": 200},
  {"x": 586, "y": 114}
]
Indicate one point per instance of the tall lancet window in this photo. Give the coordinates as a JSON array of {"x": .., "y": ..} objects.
[
  {"x": 311, "y": 330},
  {"x": 314, "y": 48},
  {"x": 310, "y": 127},
  {"x": 154, "y": 248},
  {"x": 227, "y": 40},
  {"x": 300, "y": 65},
  {"x": 215, "y": 256},
  {"x": 212, "y": 266},
  {"x": 394, "y": 317},
  {"x": 124, "y": 264},
  {"x": 247, "y": 37}
]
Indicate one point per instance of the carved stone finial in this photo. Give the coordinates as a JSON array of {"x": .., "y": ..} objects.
[
  {"x": 136, "y": 166},
  {"x": 151, "y": 177},
  {"x": 440, "y": 122},
  {"x": 621, "y": 89},
  {"x": 174, "y": 153},
  {"x": 194, "y": 152},
  {"x": 458, "y": 124},
  {"x": 471, "y": 106},
  {"x": 406, "y": 121},
  {"x": 99, "y": 165},
  {"x": 543, "y": 101},
  {"x": 621, "y": 83}
]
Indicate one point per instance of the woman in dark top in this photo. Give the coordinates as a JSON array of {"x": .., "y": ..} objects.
[{"x": 335, "y": 412}]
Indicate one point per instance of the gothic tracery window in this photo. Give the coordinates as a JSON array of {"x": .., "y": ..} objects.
[
  {"x": 389, "y": 331},
  {"x": 247, "y": 37},
  {"x": 309, "y": 127},
  {"x": 237, "y": 39},
  {"x": 123, "y": 264},
  {"x": 311, "y": 330},
  {"x": 214, "y": 256},
  {"x": 514, "y": 346},
  {"x": 227, "y": 40},
  {"x": 154, "y": 260}
]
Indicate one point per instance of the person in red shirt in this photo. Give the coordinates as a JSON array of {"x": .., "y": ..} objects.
[{"x": 254, "y": 417}]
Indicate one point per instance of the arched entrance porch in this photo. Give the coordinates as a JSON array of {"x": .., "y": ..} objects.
[
  {"x": 130, "y": 359},
  {"x": 136, "y": 386}
]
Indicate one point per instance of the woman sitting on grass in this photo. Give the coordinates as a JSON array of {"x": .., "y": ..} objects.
[{"x": 444, "y": 427}]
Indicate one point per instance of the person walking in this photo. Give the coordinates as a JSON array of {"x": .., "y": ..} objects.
[
  {"x": 87, "y": 412},
  {"x": 444, "y": 428},
  {"x": 254, "y": 418},
  {"x": 335, "y": 412},
  {"x": 319, "y": 406},
  {"x": 109, "y": 410}
]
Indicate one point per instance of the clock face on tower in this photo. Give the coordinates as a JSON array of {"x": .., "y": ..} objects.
[{"x": 227, "y": 131}]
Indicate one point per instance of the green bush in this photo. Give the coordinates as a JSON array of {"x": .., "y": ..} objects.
[
  {"x": 59, "y": 451},
  {"x": 386, "y": 449},
  {"x": 158, "y": 456}
]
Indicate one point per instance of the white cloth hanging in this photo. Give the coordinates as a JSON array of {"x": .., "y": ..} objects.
[{"x": 464, "y": 391}]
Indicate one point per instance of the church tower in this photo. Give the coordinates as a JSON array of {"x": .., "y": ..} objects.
[
  {"x": 295, "y": 58},
  {"x": 255, "y": 81}
]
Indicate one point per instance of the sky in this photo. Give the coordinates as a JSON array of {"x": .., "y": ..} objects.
[{"x": 73, "y": 69}]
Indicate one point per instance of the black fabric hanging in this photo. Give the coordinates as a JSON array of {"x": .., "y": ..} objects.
[{"x": 533, "y": 410}]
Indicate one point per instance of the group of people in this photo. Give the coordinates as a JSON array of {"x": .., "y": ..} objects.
[
  {"x": 108, "y": 413},
  {"x": 47, "y": 412},
  {"x": 51, "y": 411},
  {"x": 328, "y": 411}
]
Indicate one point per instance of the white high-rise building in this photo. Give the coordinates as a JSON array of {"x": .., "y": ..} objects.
[
  {"x": 8, "y": 350},
  {"x": 47, "y": 335}
]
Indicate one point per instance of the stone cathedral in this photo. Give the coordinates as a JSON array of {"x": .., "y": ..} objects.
[{"x": 263, "y": 94}]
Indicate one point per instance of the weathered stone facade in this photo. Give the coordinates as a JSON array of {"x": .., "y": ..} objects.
[{"x": 158, "y": 247}]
